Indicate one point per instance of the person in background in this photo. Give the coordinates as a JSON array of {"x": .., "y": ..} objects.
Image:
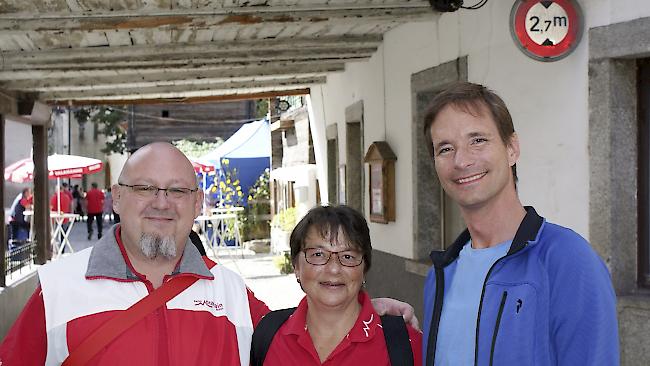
[
  {"x": 60, "y": 202},
  {"x": 335, "y": 322},
  {"x": 77, "y": 199},
  {"x": 108, "y": 205},
  {"x": 19, "y": 225},
  {"x": 95, "y": 209},
  {"x": 66, "y": 190}
]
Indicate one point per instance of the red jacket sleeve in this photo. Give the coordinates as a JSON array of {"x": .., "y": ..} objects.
[
  {"x": 257, "y": 307},
  {"x": 416, "y": 345},
  {"x": 26, "y": 342}
]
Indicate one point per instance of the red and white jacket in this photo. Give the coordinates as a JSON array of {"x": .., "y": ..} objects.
[{"x": 210, "y": 323}]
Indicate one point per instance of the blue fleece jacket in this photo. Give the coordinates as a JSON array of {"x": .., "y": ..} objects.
[{"x": 549, "y": 301}]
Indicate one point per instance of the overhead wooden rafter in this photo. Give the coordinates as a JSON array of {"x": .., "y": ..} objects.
[{"x": 130, "y": 50}]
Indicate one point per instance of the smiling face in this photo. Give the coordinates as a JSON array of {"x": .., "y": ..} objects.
[
  {"x": 160, "y": 165},
  {"x": 329, "y": 286},
  {"x": 472, "y": 162}
]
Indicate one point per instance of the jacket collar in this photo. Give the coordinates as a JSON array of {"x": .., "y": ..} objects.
[
  {"x": 527, "y": 232},
  {"x": 108, "y": 260}
]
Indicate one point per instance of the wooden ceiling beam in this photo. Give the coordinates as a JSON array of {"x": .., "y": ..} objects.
[
  {"x": 104, "y": 19},
  {"x": 235, "y": 57},
  {"x": 185, "y": 90},
  {"x": 176, "y": 50},
  {"x": 187, "y": 77},
  {"x": 152, "y": 73},
  {"x": 184, "y": 100}
]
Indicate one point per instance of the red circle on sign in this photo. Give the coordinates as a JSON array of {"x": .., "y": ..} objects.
[{"x": 546, "y": 52}]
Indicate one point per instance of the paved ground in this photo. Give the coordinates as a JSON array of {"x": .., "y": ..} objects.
[{"x": 260, "y": 274}]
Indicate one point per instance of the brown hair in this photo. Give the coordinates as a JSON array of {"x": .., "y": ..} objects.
[
  {"x": 327, "y": 221},
  {"x": 469, "y": 98}
]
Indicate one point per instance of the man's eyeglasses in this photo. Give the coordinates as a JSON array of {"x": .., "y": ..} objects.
[
  {"x": 320, "y": 257},
  {"x": 147, "y": 191}
]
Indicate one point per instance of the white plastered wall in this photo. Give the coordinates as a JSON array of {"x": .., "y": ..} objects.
[{"x": 548, "y": 103}]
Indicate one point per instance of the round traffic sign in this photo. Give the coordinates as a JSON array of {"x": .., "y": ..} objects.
[{"x": 546, "y": 30}]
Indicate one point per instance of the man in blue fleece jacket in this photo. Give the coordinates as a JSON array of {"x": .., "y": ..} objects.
[{"x": 513, "y": 289}]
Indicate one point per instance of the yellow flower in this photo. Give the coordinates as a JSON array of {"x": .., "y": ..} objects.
[{"x": 222, "y": 185}]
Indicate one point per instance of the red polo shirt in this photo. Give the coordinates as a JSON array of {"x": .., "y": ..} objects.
[
  {"x": 65, "y": 202},
  {"x": 363, "y": 345},
  {"x": 95, "y": 199}
]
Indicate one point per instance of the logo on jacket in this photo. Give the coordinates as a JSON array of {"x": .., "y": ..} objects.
[
  {"x": 519, "y": 305},
  {"x": 209, "y": 303}
]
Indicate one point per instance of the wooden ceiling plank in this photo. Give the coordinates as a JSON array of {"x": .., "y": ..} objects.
[
  {"x": 163, "y": 36},
  {"x": 152, "y": 73},
  {"x": 74, "y": 6},
  {"x": 138, "y": 38},
  {"x": 250, "y": 32},
  {"x": 176, "y": 91},
  {"x": 184, "y": 4},
  {"x": 271, "y": 31},
  {"x": 16, "y": 6},
  {"x": 66, "y": 21},
  {"x": 118, "y": 38},
  {"x": 314, "y": 30},
  {"x": 187, "y": 100},
  {"x": 204, "y": 35},
  {"x": 137, "y": 52},
  {"x": 225, "y": 33},
  {"x": 81, "y": 83},
  {"x": 94, "y": 39},
  {"x": 23, "y": 43},
  {"x": 340, "y": 55},
  {"x": 120, "y": 60},
  {"x": 7, "y": 43}
]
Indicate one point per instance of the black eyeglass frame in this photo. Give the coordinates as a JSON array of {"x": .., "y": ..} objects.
[
  {"x": 304, "y": 251},
  {"x": 179, "y": 190}
]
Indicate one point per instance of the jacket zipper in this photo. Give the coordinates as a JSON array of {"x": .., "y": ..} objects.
[
  {"x": 480, "y": 304},
  {"x": 435, "y": 318},
  {"x": 496, "y": 326}
]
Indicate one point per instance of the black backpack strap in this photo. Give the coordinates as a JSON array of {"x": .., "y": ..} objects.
[
  {"x": 397, "y": 340},
  {"x": 264, "y": 332}
]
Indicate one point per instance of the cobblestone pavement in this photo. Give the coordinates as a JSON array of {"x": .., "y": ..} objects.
[{"x": 260, "y": 274}]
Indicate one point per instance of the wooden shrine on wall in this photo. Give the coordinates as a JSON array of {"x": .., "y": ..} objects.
[{"x": 381, "y": 160}]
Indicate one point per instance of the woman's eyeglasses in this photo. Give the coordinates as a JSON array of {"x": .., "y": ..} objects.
[{"x": 320, "y": 257}]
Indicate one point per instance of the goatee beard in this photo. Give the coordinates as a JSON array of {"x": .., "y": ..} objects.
[{"x": 153, "y": 246}]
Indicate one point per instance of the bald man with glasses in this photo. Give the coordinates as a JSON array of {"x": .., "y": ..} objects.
[
  {"x": 142, "y": 295},
  {"x": 208, "y": 323}
]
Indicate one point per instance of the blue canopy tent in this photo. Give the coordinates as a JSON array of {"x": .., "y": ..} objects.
[{"x": 248, "y": 152}]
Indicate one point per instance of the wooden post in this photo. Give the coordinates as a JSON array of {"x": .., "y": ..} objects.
[
  {"x": 41, "y": 197},
  {"x": 3, "y": 231}
]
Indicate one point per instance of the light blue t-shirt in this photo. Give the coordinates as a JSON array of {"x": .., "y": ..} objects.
[{"x": 457, "y": 330}]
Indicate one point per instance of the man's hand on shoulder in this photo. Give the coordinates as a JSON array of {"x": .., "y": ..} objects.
[{"x": 386, "y": 305}]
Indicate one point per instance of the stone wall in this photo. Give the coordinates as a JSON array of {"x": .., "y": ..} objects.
[
  {"x": 613, "y": 193},
  {"x": 12, "y": 301}
]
